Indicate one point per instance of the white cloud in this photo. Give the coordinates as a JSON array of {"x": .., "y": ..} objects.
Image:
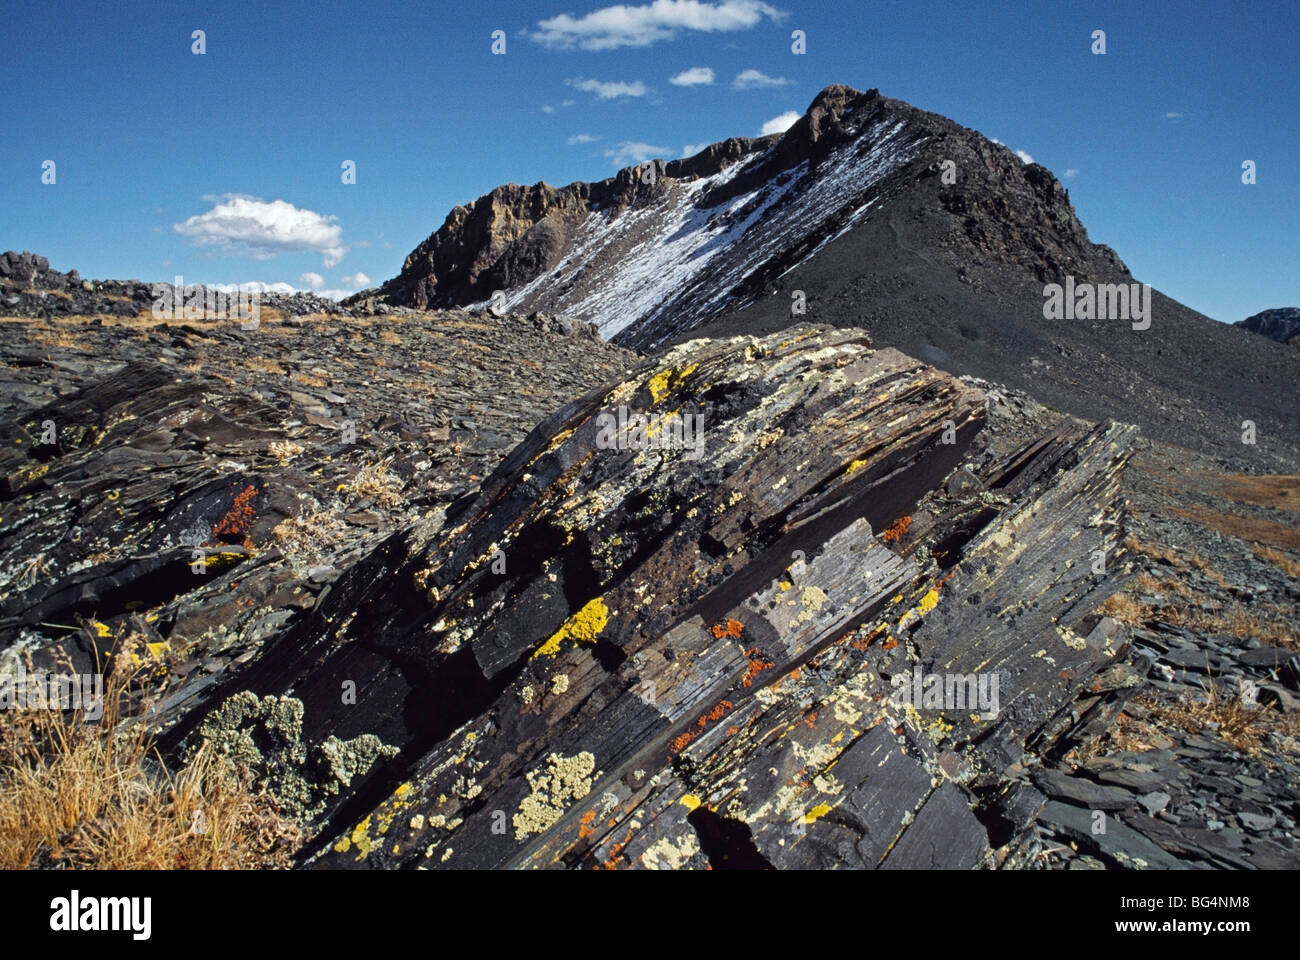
[
  {"x": 755, "y": 79},
  {"x": 254, "y": 286},
  {"x": 582, "y": 138},
  {"x": 610, "y": 90},
  {"x": 623, "y": 26},
  {"x": 631, "y": 151},
  {"x": 694, "y": 77},
  {"x": 357, "y": 280},
  {"x": 258, "y": 286},
  {"x": 780, "y": 124},
  {"x": 1071, "y": 173},
  {"x": 691, "y": 149},
  {"x": 1024, "y": 157},
  {"x": 263, "y": 229},
  {"x": 1173, "y": 115},
  {"x": 313, "y": 280},
  {"x": 547, "y": 108}
]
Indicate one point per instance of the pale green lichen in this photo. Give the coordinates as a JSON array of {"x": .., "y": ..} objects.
[
  {"x": 262, "y": 740},
  {"x": 564, "y": 780}
]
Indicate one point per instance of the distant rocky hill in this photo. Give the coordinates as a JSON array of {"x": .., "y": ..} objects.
[
  {"x": 867, "y": 212},
  {"x": 1281, "y": 324}
]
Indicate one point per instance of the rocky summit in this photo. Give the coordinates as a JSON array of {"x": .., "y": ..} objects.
[{"x": 870, "y": 213}]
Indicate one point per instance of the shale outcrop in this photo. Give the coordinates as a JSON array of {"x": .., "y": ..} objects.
[{"x": 760, "y": 602}]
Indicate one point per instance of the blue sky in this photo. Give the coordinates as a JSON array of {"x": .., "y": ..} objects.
[{"x": 225, "y": 167}]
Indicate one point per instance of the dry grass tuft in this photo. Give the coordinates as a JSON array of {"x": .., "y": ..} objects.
[
  {"x": 308, "y": 537},
  {"x": 75, "y": 794},
  {"x": 285, "y": 450},
  {"x": 1241, "y": 727},
  {"x": 59, "y": 338},
  {"x": 376, "y": 481}
]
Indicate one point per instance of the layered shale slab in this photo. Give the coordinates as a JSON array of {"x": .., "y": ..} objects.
[{"x": 641, "y": 657}]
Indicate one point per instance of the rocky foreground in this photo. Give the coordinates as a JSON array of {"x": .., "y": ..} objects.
[{"x": 393, "y": 567}]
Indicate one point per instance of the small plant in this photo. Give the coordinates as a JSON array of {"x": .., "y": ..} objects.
[
  {"x": 376, "y": 481},
  {"x": 285, "y": 450},
  {"x": 97, "y": 796}
]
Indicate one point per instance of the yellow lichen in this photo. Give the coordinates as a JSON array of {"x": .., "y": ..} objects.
[
  {"x": 663, "y": 383},
  {"x": 584, "y": 626},
  {"x": 816, "y": 813}
]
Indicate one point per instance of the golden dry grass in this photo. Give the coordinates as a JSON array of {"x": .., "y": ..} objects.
[
  {"x": 59, "y": 338},
  {"x": 1285, "y": 535},
  {"x": 263, "y": 365},
  {"x": 1236, "y": 620},
  {"x": 75, "y": 794},
  {"x": 1269, "y": 490},
  {"x": 310, "y": 536},
  {"x": 1227, "y": 717},
  {"x": 1123, "y": 607},
  {"x": 1287, "y": 564}
]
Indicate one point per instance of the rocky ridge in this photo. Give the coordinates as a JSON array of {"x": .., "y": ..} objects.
[{"x": 1281, "y": 324}]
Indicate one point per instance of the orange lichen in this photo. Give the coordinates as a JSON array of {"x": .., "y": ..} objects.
[
  {"x": 611, "y": 863},
  {"x": 680, "y": 744},
  {"x": 585, "y": 829},
  {"x": 755, "y": 665},
  {"x": 865, "y": 642},
  {"x": 895, "y": 532},
  {"x": 233, "y": 527},
  {"x": 889, "y": 644},
  {"x": 717, "y": 713},
  {"x": 732, "y": 628}
]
